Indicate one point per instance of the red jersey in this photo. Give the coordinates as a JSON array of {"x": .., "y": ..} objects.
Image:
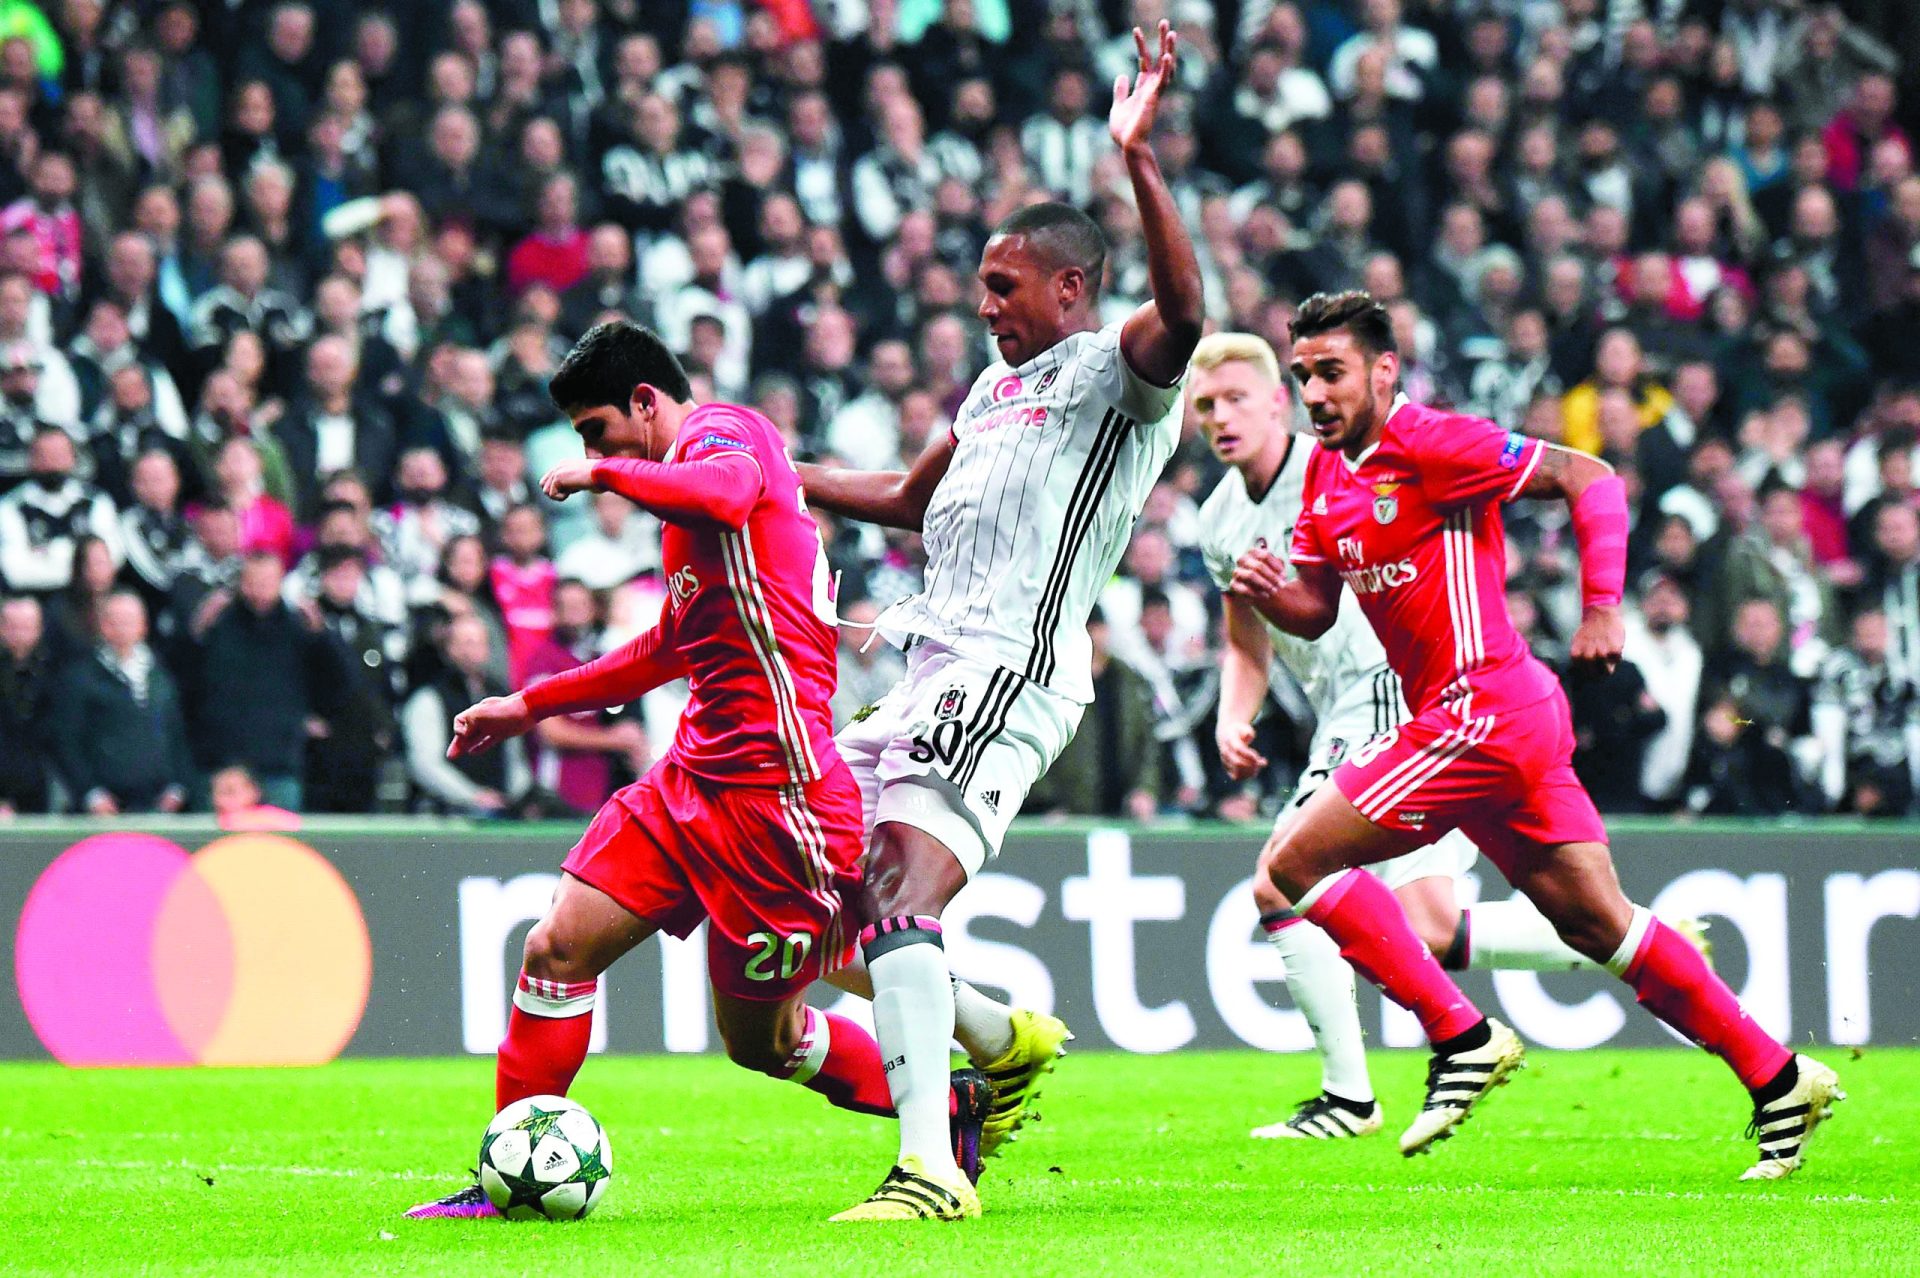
[
  {"x": 750, "y": 615},
  {"x": 1414, "y": 529}
]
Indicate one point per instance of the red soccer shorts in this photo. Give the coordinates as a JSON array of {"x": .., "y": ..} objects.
[
  {"x": 769, "y": 867},
  {"x": 1506, "y": 778}
]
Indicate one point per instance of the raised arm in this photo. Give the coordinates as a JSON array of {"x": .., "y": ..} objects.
[
  {"x": 1598, "y": 501},
  {"x": 1159, "y": 338},
  {"x": 890, "y": 498},
  {"x": 1243, "y": 686},
  {"x": 614, "y": 679},
  {"x": 1305, "y": 604}
]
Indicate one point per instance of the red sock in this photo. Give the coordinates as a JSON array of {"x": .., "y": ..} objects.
[
  {"x": 838, "y": 1059},
  {"x": 1359, "y": 913},
  {"x": 546, "y": 1041},
  {"x": 1673, "y": 982}
]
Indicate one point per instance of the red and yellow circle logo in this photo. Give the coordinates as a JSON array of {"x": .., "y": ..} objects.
[{"x": 133, "y": 952}]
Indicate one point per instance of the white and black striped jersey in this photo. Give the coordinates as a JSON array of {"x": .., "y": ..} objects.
[
  {"x": 1344, "y": 673},
  {"x": 1052, "y": 462}
]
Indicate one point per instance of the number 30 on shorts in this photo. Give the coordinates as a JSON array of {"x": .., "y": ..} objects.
[{"x": 787, "y": 954}]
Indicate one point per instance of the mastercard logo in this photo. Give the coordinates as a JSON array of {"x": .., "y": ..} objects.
[{"x": 133, "y": 952}]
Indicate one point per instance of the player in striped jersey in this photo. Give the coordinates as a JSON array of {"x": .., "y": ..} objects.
[
  {"x": 1242, "y": 405},
  {"x": 1025, "y": 508}
]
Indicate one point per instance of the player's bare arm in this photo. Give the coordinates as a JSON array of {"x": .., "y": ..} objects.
[
  {"x": 1305, "y": 604},
  {"x": 1157, "y": 339},
  {"x": 614, "y": 679},
  {"x": 1243, "y": 685},
  {"x": 1597, "y": 499},
  {"x": 890, "y": 498}
]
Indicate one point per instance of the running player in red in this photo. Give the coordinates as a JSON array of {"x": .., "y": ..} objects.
[
  {"x": 1402, "y": 506},
  {"x": 750, "y": 822}
]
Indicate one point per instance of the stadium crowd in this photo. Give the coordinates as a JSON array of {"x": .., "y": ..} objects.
[{"x": 281, "y": 285}]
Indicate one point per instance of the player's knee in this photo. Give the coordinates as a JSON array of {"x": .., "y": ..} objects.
[
  {"x": 1588, "y": 927},
  {"x": 550, "y": 955},
  {"x": 1266, "y": 893},
  {"x": 1289, "y": 867}
]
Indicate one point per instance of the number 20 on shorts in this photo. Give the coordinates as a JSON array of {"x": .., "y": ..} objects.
[{"x": 770, "y": 948}]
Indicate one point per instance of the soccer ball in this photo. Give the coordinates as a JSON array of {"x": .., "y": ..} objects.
[{"x": 545, "y": 1156}]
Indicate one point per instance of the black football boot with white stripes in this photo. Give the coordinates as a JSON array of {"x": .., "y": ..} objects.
[
  {"x": 1784, "y": 1123},
  {"x": 1326, "y": 1117},
  {"x": 1459, "y": 1080}
]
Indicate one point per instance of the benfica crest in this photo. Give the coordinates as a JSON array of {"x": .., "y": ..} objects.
[{"x": 1386, "y": 506}]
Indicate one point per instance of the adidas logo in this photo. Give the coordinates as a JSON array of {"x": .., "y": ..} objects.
[
  {"x": 1320, "y": 504},
  {"x": 990, "y": 800},
  {"x": 554, "y": 1159}
]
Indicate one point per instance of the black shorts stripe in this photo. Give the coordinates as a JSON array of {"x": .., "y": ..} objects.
[
  {"x": 982, "y": 716},
  {"x": 976, "y": 748},
  {"x": 1102, "y": 460}
]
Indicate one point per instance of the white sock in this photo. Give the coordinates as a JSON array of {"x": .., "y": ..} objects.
[
  {"x": 913, "y": 1017},
  {"x": 983, "y": 1026},
  {"x": 1321, "y": 983},
  {"x": 1515, "y": 935}
]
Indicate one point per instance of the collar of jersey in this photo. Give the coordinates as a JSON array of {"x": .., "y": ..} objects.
[{"x": 1355, "y": 463}]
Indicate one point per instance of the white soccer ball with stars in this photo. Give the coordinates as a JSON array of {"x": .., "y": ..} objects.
[{"x": 545, "y": 1157}]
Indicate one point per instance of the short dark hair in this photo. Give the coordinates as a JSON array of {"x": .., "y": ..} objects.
[
  {"x": 1355, "y": 311},
  {"x": 604, "y": 366},
  {"x": 1063, "y": 236}
]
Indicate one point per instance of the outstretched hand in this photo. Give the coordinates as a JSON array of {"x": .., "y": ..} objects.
[
  {"x": 1130, "y": 122},
  {"x": 568, "y": 478},
  {"x": 485, "y": 724}
]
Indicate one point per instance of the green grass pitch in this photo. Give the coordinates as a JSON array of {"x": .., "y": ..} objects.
[{"x": 1597, "y": 1163}]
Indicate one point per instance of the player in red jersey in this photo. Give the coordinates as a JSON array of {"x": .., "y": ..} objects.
[
  {"x": 1402, "y": 506},
  {"x": 750, "y": 822}
]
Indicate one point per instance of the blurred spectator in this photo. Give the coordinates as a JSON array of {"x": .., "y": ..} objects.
[
  {"x": 120, "y": 736},
  {"x": 1864, "y": 716},
  {"x": 27, "y": 710},
  {"x": 265, "y": 675},
  {"x": 1662, "y": 648},
  {"x": 577, "y": 757},
  {"x": 523, "y": 582},
  {"x": 346, "y": 763},
  {"x": 1112, "y": 765},
  {"x": 43, "y": 521},
  {"x": 416, "y": 530},
  {"x": 330, "y": 427},
  {"x": 1616, "y": 717},
  {"x": 1735, "y": 770},
  {"x": 623, "y": 543},
  {"x": 474, "y": 784},
  {"x": 1755, "y": 671},
  {"x": 240, "y": 482},
  {"x": 239, "y": 805}
]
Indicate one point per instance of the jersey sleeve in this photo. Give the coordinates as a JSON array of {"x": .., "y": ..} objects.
[
  {"x": 1467, "y": 461},
  {"x": 1119, "y": 385},
  {"x": 1308, "y": 548}
]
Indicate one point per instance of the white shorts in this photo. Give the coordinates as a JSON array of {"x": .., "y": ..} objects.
[
  {"x": 1447, "y": 857},
  {"x": 954, "y": 748}
]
